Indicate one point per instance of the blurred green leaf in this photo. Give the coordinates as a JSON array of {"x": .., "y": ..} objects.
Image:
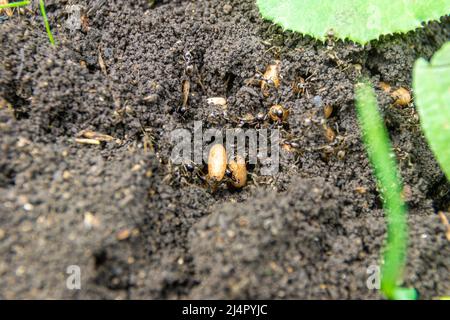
[
  {"x": 432, "y": 96},
  {"x": 357, "y": 20},
  {"x": 382, "y": 158}
]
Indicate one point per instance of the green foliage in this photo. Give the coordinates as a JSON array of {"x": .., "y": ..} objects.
[
  {"x": 43, "y": 12},
  {"x": 383, "y": 162},
  {"x": 357, "y": 20},
  {"x": 47, "y": 25},
  {"x": 14, "y": 4},
  {"x": 431, "y": 83}
]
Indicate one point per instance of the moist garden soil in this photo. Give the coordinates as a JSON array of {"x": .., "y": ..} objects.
[{"x": 139, "y": 226}]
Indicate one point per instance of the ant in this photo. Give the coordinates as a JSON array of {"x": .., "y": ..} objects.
[{"x": 301, "y": 85}]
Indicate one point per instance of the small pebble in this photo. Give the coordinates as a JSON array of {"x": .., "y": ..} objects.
[
  {"x": 317, "y": 100},
  {"x": 91, "y": 221},
  {"x": 67, "y": 175},
  {"x": 123, "y": 234},
  {"x": 20, "y": 271},
  {"x": 227, "y": 8},
  {"x": 26, "y": 227}
]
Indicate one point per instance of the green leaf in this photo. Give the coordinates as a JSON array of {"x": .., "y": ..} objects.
[
  {"x": 14, "y": 4},
  {"x": 357, "y": 20},
  {"x": 46, "y": 23},
  {"x": 382, "y": 158},
  {"x": 431, "y": 83}
]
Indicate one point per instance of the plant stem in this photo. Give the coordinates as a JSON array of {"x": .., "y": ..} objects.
[
  {"x": 47, "y": 25},
  {"x": 14, "y": 4},
  {"x": 385, "y": 168},
  {"x": 43, "y": 12}
]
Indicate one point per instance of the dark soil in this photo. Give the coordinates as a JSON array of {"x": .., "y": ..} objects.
[{"x": 140, "y": 227}]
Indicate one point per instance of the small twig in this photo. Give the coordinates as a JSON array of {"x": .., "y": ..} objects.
[
  {"x": 87, "y": 141},
  {"x": 20, "y": 69},
  {"x": 445, "y": 223},
  {"x": 89, "y": 134},
  {"x": 101, "y": 63},
  {"x": 97, "y": 5}
]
